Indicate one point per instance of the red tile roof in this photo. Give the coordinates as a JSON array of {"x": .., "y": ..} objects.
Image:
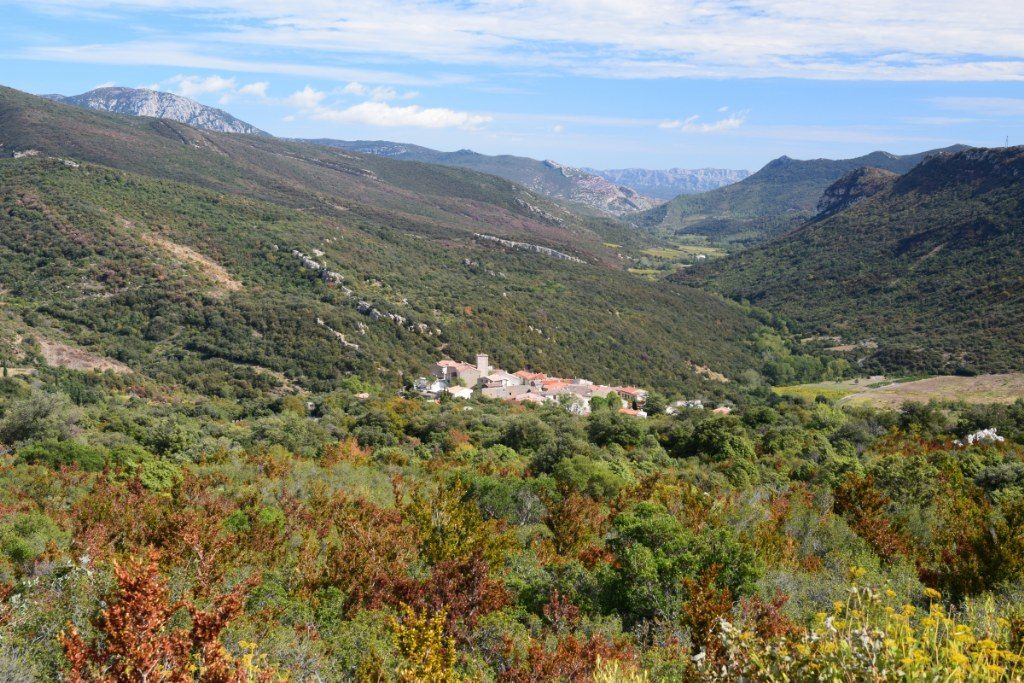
[{"x": 530, "y": 376}]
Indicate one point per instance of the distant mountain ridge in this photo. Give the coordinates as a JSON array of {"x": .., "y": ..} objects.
[
  {"x": 775, "y": 199},
  {"x": 161, "y": 105},
  {"x": 925, "y": 265},
  {"x": 547, "y": 177},
  {"x": 672, "y": 182}
]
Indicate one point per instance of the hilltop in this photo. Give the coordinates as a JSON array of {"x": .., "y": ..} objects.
[
  {"x": 548, "y": 178},
  {"x": 161, "y": 105},
  {"x": 235, "y": 261},
  {"x": 776, "y": 198},
  {"x": 927, "y": 268}
]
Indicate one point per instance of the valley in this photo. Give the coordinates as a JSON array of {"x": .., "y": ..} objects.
[{"x": 305, "y": 409}]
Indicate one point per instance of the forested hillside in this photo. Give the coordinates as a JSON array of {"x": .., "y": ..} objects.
[
  {"x": 312, "y": 178},
  {"x": 167, "y": 278},
  {"x": 775, "y": 199},
  {"x": 928, "y": 269},
  {"x": 190, "y": 265}
]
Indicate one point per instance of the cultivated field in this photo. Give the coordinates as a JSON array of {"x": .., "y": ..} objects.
[{"x": 883, "y": 392}]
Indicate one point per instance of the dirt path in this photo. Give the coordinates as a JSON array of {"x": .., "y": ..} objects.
[{"x": 208, "y": 266}]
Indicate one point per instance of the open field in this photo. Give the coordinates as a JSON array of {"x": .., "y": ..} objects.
[
  {"x": 681, "y": 250},
  {"x": 891, "y": 393}
]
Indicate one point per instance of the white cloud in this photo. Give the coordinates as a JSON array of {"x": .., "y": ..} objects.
[
  {"x": 692, "y": 125},
  {"x": 181, "y": 54},
  {"x": 107, "y": 84},
  {"x": 380, "y": 93},
  {"x": 193, "y": 86},
  {"x": 383, "y": 114},
  {"x": 307, "y": 98},
  {"x": 558, "y": 128},
  {"x": 723, "y": 109},
  {"x": 821, "y": 39},
  {"x": 257, "y": 89},
  {"x": 383, "y": 93},
  {"x": 354, "y": 88}
]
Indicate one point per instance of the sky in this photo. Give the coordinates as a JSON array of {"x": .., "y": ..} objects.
[{"x": 593, "y": 83}]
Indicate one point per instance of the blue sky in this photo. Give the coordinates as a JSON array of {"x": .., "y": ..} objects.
[{"x": 600, "y": 83}]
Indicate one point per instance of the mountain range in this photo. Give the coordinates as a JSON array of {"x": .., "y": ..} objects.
[
  {"x": 923, "y": 266},
  {"x": 672, "y": 182},
  {"x": 771, "y": 201},
  {"x": 236, "y": 260},
  {"x": 609, "y": 192},
  {"x": 549, "y": 178}
]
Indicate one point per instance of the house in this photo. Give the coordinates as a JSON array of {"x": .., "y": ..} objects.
[
  {"x": 722, "y": 410},
  {"x": 533, "y": 398},
  {"x": 604, "y": 391},
  {"x": 578, "y": 406},
  {"x": 500, "y": 378},
  {"x": 531, "y": 378},
  {"x": 632, "y": 395},
  {"x": 460, "y": 392},
  {"x": 554, "y": 386},
  {"x": 452, "y": 370},
  {"x": 506, "y": 393},
  {"x": 430, "y": 385},
  {"x": 634, "y": 413}
]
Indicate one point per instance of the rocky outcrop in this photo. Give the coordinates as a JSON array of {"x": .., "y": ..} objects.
[
  {"x": 526, "y": 246},
  {"x": 597, "y": 192},
  {"x": 854, "y": 187},
  {"x": 327, "y": 275},
  {"x": 672, "y": 182},
  {"x": 161, "y": 105}
]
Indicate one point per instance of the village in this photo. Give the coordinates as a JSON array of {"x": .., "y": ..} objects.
[{"x": 460, "y": 380}]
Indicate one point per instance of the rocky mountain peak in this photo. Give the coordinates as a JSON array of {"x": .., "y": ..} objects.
[{"x": 161, "y": 105}]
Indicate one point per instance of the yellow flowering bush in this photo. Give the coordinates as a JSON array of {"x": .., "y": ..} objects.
[
  {"x": 614, "y": 671},
  {"x": 429, "y": 654},
  {"x": 870, "y": 637}
]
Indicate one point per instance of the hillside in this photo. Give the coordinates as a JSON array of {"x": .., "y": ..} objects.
[
  {"x": 670, "y": 183},
  {"x": 776, "y": 198},
  {"x": 181, "y": 262},
  {"x": 308, "y": 177},
  {"x": 928, "y": 268},
  {"x": 161, "y": 105},
  {"x": 548, "y": 178}
]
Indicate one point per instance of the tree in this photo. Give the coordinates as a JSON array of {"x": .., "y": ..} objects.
[
  {"x": 136, "y": 644},
  {"x": 719, "y": 439}
]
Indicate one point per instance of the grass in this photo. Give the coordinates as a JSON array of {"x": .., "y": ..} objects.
[
  {"x": 681, "y": 250},
  {"x": 891, "y": 393}
]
